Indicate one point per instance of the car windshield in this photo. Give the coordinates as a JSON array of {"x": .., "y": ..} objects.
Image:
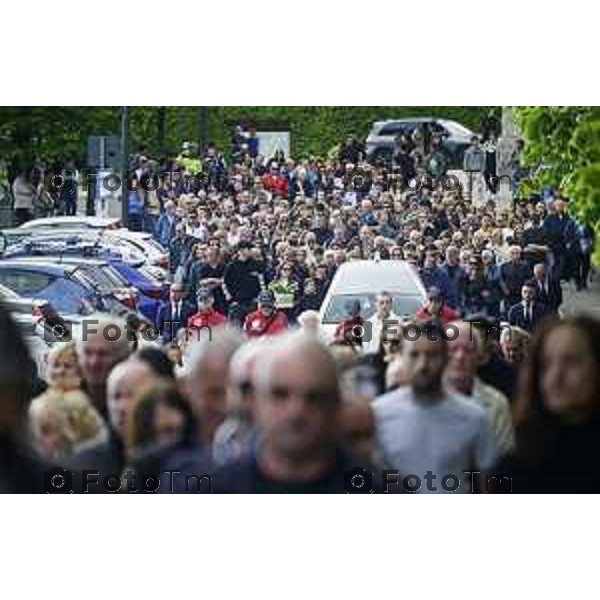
[
  {"x": 154, "y": 244},
  {"x": 115, "y": 278},
  {"x": 395, "y": 128},
  {"x": 338, "y": 308},
  {"x": 454, "y": 127}
]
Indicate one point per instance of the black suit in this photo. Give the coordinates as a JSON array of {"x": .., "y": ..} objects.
[
  {"x": 548, "y": 292},
  {"x": 517, "y": 316},
  {"x": 168, "y": 323}
]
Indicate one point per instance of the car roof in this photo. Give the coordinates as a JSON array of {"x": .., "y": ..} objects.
[
  {"x": 89, "y": 222},
  {"x": 64, "y": 259},
  {"x": 52, "y": 268},
  {"x": 370, "y": 276}
]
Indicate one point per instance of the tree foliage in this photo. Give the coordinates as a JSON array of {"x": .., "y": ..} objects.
[
  {"x": 562, "y": 146},
  {"x": 52, "y": 132}
]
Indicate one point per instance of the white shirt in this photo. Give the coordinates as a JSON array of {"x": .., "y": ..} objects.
[
  {"x": 372, "y": 347},
  {"x": 446, "y": 437}
]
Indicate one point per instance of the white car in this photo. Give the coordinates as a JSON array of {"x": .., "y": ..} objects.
[
  {"x": 81, "y": 222},
  {"x": 363, "y": 280},
  {"x": 143, "y": 242}
]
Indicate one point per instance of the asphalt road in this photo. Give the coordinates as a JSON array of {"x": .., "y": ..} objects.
[{"x": 586, "y": 301}]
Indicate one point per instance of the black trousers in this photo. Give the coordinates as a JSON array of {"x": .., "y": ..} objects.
[{"x": 22, "y": 215}]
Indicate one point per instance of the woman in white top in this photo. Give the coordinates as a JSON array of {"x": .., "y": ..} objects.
[{"x": 23, "y": 194}]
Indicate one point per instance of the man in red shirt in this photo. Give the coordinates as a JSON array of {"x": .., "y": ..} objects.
[
  {"x": 275, "y": 182},
  {"x": 267, "y": 320},
  {"x": 206, "y": 316},
  {"x": 434, "y": 309}
]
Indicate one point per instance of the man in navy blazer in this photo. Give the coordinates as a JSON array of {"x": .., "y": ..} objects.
[
  {"x": 173, "y": 314},
  {"x": 527, "y": 313}
]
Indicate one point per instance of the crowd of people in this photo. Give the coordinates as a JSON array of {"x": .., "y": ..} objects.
[{"x": 242, "y": 393}]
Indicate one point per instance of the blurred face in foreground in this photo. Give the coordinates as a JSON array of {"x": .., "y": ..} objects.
[
  {"x": 297, "y": 404},
  {"x": 358, "y": 427},
  {"x": 462, "y": 360},
  {"x": 569, "y": 374},
  {"x": 425, "y": 361},
  {"x": 63, "y": 370},
  {"x": 126, "y": 380},
  {"x": 97, "y": 357}
]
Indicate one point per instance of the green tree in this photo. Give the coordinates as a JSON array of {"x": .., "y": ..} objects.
[{"x": 562, "y": 146}]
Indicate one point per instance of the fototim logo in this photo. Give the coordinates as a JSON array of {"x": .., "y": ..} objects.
[
  {"x": 358, "y": 481},
  {"x": 58, "y": 481}
]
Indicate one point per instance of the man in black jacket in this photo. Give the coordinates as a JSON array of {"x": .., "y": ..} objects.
[
  {"x": 243, "y": 279},
  {"x": 527, "y": 313}
]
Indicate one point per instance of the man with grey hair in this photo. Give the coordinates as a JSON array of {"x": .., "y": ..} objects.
[
  {"x": 104, "y": 342},
  {"x": 464, "y": 352},
  {"x": 125, "y": 381},
  {"x": 297, "y": 404}
]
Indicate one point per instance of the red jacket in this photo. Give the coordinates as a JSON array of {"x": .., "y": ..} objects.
[
  {"x": 349, "y": 330},
  {"x": 204, "y": 318},
  {"x": 446, "y": 315},
  {"x": 257, "y": 324},
  {"x": 277, "y": 184}
]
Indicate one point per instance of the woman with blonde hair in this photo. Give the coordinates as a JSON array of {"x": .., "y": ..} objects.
[
  {"x": 63, "y": 419},
  {"x": 63, "y": 423}
]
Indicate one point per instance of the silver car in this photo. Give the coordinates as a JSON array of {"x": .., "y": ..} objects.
[{"x": 380, "y": 141}]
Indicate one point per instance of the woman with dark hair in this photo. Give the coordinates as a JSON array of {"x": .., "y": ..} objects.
[
  {"x": 160, "y": 426},
  {"x": 158, "y": 361},
  {"x": 557, "y": 412},
  {"x": 161, "y": 418}
]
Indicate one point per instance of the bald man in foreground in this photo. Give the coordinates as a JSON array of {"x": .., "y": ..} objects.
[{"x": 296, "y": 411}]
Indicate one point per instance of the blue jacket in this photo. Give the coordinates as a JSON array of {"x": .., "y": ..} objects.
[{"x": 436, "y": 277}]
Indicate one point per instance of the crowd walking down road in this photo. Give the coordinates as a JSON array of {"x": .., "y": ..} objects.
[{"x": 248, "y": 367}]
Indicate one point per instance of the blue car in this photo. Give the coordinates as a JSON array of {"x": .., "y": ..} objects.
[
  {"x": 65, "y": 286},
  {"x": 151, "y": 292}
]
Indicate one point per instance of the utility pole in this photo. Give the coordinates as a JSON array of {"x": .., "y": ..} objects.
[{"x": 124, "y": 165}]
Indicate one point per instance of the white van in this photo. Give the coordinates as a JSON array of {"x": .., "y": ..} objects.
[{"x": 363, "y": 280}]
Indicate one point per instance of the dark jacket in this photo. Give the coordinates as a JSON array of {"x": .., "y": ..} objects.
[
  {"x": 482, "y": 295},
  {"x": 104, "y": 459},
  {"x": 569, "y": 465},
  {"x": 167, "y": 325},
  {"x": 245, "y": 477},
  {"x": 517, "y": 316},
  {"x": 243, "y": 280},
  {"x": 548, "y": 293},
  {"x": 513, "y": 276},
  {"x": 458, "y": 278},
  {"x": 21, "y": 471},
  {"x": 499, "y": 373}
]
